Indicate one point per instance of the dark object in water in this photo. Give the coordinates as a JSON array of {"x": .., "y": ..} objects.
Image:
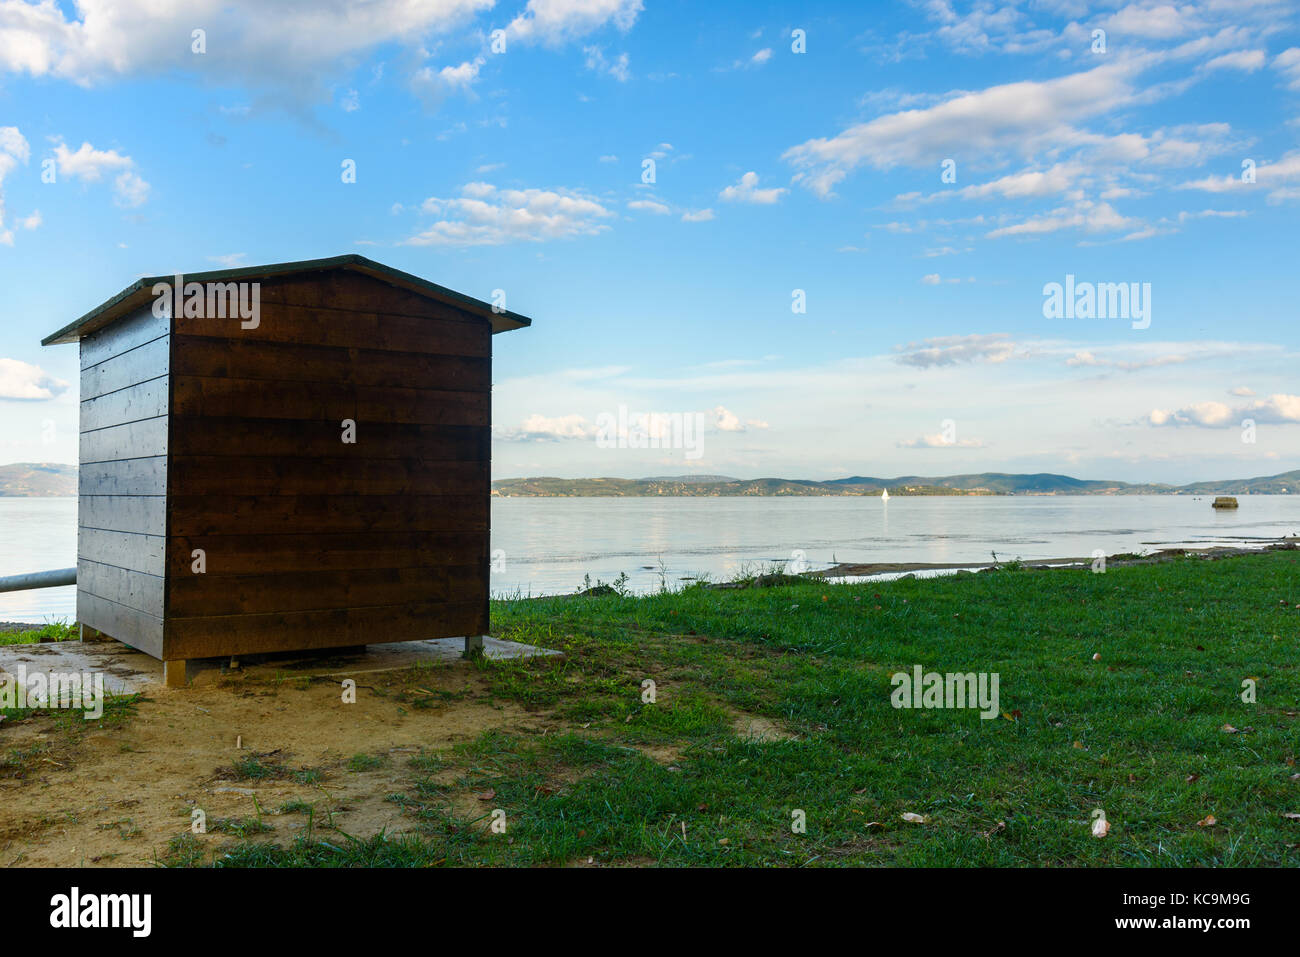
[{"x": 1225, "y": 501}]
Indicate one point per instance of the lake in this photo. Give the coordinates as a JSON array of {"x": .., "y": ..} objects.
[{"x": 546, "y": 545}]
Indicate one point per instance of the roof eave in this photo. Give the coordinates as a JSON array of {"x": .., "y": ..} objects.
[{"x": 140, "y": 292}]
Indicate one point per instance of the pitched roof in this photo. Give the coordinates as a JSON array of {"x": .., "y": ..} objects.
[{"x": 140, "y": 292}]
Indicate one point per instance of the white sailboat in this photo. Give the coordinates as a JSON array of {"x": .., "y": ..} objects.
[{"x": 884, "y": 495}]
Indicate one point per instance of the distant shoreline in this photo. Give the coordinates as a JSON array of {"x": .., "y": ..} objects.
[
  {"x": 1212, "y": 552},
  {"x": 54, "y": 480},
  {"x": 978, "y": 484}
]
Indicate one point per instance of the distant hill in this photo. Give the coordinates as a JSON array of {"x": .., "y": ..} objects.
[
  {"x": 37, "y": 479},
  {"x": 45, "y": 479},
  {"x": 981, "y": 483},
  {"x": 1001, "y": 483},
  {"x": 1288, "y": 482}
]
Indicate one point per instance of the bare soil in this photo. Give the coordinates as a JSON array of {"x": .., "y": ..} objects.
[{"x": 116, "y": 796}]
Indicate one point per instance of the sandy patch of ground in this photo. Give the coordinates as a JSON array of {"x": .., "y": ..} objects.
[
  {"x": 117, "y": 796},
  {"x": 754, "y": 728}
]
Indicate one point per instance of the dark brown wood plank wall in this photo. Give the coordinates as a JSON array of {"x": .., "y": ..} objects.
[{"x": 309, "y": 541}]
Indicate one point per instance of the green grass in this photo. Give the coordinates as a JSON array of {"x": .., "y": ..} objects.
[
  {"x": 1138, "y": 733},
  {"x": 253, "y": 768},
  {"x": 239, "y": 827},
  {"x": 366, "y": 762},
  {"x": 55, "y": 631},
  {"x": 72, "y": 722}
]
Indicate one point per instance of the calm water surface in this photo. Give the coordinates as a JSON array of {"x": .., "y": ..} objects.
[{"x": 547, "y": 545}]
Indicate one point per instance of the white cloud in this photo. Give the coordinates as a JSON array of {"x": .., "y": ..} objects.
[
  {"x": 724, "y": 420},
  {"x": 13, "y": 143},
  {"x": 461, "y": 77},
  {"x": 1087, "y": 215},
  {"x": 760, "y": 58},
  {"x": 484, "y": 215},
  {"x": 1088, "y": 359},
  {"x": 432, "y": 85},
  {"x": 1186, "y": 215},
  {"x": 938, "y": 441},
  {"x": 617, "y": 68},
  {"x": 292, "y": 47},
  {"x": 1277, "y": 177},
  {"x": 650, "y": 206},
  {"x": 89, "y": 165},
  {"x": 1013, "y": 117},
  {"x": 1288, "y": 64},
  {"x": 230, "y": 260},
  {"x": 1155, "y": 21},
  {"x": 554, "y": 21},
  {"x": 130, "y": 189},
  {"x": 540, "y": 428},
  {"x": 985, "y": 27},
  {"x": 14, "y": 149},
  {"x": 1063, "y": 419},
  {"x": 1246, "y": 60},
  {"x": 1100, "y": 163},
  {"x": 1277, "y": 409},
  {"x": 1242, "y": 390},
  {"x": 1026, "y": 184},
  {"x": 747, "y": 191},
  {"x": 1205, "y": 414},
  {"x": 698, "y": 216},
  {"x": 1134, "y": 357},
  {"x": 23, "y": 382},
  {"x": 953, "y": 350}
]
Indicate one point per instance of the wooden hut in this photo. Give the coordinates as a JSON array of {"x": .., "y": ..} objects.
[{"x": 285, "y": 457}]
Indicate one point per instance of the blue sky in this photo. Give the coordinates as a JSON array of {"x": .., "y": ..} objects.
[{"x": 924, "y": 348}]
